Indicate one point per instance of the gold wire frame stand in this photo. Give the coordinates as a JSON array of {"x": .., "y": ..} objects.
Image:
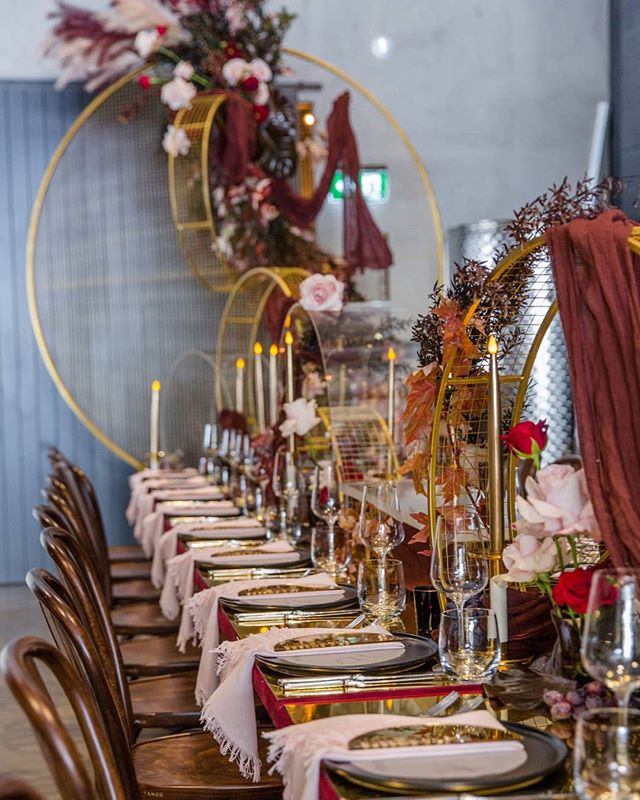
[
  {"x": 361, "y": 442},
  {"x": 242, "y": 324},
  {"x": 528, "y": 272}
]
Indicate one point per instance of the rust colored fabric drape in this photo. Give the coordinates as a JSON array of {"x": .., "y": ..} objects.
[
  {"x": 598, "y": 287},
  {"x": 364, "y": 244}
]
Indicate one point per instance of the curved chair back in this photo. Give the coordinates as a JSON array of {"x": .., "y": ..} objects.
[
  {"x": 84, "y": 596},
  {"x": 20, "y": 663},
  {"x": 16, "y": 789}
]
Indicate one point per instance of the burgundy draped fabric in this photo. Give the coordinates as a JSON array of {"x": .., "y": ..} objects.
[
  {"x": 598, "y": 286},
  {"x": 364, "y": 244}
]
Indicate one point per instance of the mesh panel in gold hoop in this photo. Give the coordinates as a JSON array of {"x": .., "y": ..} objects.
[
  {"x": 461, "y": 440},
  {"x": 192, "y": 213},
  {"x": 361, "y": 442},
  {"x": 243, "y": 323}
]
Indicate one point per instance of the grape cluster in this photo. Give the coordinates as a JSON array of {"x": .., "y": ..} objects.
[{"x": 568, "y": 705}]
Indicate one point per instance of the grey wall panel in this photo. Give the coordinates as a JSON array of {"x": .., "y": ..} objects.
[{"x": 33, "y": 416}]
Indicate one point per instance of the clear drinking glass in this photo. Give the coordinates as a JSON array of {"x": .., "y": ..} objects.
[
  {"x": 606, "y": 755},
  {"x": 468, "y": 643},
  {"x": 330, "y": 550},
  {"x": 285, "y": 484},
  {"x": 380, "y": 527},
  {"x": 459, "y": 567},
  {"x": 381, "y": 589},
  {"x": 610, "y": 647}
]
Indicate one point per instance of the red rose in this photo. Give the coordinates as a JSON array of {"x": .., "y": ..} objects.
[
  {"x": 572, "y": 589},
  {"x": 250, "y": 83},
  {"x": 162, "y": 29},
  {"x": 260, "y": 113},
  {"x": 527, "y": 439},
  {"x": 144, "y": 81}
]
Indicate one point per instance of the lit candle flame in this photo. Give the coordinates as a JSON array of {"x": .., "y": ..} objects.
[
  {"x": 240, "y": 363},
  {"x": 288, "y": 338},
  {"x": 391, "y": 354},
  {"x": 155, "y": 386},
  {"x": 257, "y": 349},
  {"x": 273, "y": 350},
  {"x": 492, "y": 345}
]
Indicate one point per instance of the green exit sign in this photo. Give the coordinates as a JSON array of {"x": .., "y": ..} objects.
[{"x": 374, "y": 185}]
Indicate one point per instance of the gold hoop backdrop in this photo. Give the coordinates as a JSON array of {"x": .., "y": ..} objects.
[{"x": 111, "y": 302}]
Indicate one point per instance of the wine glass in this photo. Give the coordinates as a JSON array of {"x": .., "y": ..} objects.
[
  {"x": 610, "y": 647},
  {"x": 284, "y": 483},
  {"x": 330, "y": 551},
  {"x": 325, "y": 494},
  {"x": 380, "y": 527},
  {"x": 459, "y": 566}
]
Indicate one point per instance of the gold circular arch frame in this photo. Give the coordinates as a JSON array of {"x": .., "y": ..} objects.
[{"x": 86, "y": 113}]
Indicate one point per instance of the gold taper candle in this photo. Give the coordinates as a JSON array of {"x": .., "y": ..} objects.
[
  {"x": 154, "y": 445},
  {"x": 273, "y": 384},
  {"x": 494, "y": 425},
  {"x": 240, "y": 365},
  {"x": 259, "y": 386},
  {"x": 391, "y": 392}
]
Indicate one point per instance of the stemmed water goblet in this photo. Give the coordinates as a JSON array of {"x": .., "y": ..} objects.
[
  {"x": 380, "y": 527},
  {"x": 610, "y": 647},
  {"x": 284, "y": 483},
  {"x": 459, "y": 567},
  {"x": 331, "y": 555}
]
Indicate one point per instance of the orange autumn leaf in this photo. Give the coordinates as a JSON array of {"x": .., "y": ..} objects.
[
  {"x": 423, "y": 536},
  {"x": 454, "y": 479},
  {"x": 418, "y": 413}
]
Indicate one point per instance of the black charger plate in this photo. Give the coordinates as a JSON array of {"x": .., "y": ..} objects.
[{"x": 545, "y": 755}]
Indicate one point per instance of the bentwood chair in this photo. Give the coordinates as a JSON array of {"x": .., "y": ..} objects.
[
  {"x": 16, "y": 789},
  {"x": 143, "y": 656},
  {"x": 185, "y": 766},
  {"x": 113, "y": 778},
  {"x": 128, "y": 582},
  {"x": 130, "y": 619},
  {"x": 116, "y": 553}
]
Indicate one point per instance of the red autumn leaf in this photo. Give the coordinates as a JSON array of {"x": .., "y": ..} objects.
[
  {"x": 424, "y": 534},
  {"x": 454, "y": 479}
]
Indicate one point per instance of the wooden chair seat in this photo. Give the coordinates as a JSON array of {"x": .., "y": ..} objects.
[
  {"x": 136, "y": 619},
  {"x": 190, "y": 765},
  {"x": 126, "y": 552},
  {"x": 134, "y": 591},
  {"x": 167, "y": 701},
  {"x": 127, "y": 570},
  {"x": 157, "y": 655}
]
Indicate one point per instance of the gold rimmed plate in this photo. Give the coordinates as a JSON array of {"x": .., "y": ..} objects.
[
  {"x": 417, "y": 651},
  {"x": 544, "y": 754},
  {"x": 346, "y": 598}
]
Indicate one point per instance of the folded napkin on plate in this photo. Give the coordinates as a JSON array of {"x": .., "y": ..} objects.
[
  {"x": 241, "y": 527},
  {"x": 147, "y": 501},
  {"x": 296, "y": 751},
  {"x": 278, "y": 551},
  {"x": 149, "y": 529},
  {"x": 229, "y": 712},
  {"x": 178, "y": 585},
  {"x": 145, "y": 487},
  {"x": 147, "y": 474}
]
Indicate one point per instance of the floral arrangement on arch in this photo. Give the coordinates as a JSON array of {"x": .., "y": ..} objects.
[
  {"x": 213, "y": 46},
  {"x": 451, "y": 327}
]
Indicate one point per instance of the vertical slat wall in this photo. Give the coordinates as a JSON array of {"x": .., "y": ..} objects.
[{"x": 33, "y": 416}]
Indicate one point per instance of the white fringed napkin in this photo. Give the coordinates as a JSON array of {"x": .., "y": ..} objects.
[
  {"x": 296, "y": 751},
  {"x": 229, "y": 713},
  {"x": 240, "y": 527},
  {"x": 147, "y": 474},
  {"x": 150, "y": 528},
  {"x": 144, "y": 487}
]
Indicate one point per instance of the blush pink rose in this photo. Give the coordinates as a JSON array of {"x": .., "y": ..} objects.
[
  {"x": 301, "y": 417},
  {"x": 557, "y": 504},
  {"x": 528, "y": 556},
  {"x": 322, "y": 293}
]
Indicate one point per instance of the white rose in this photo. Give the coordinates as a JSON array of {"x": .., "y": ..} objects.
[
  {"x": 176, "y": 142},
  {"x": 321, "y": 293},
  {"x": 235, "y": 15},
  {"x": 178, "y": 93},
  {"x": 260, "y": 69},
  {"x": 261, "y": 94},
  {"x": 301, "y": 417},
  {"x": 184, "y": 70},
  {"x": 147, "y": 42},
  {"x": 234, "y": 70}
]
